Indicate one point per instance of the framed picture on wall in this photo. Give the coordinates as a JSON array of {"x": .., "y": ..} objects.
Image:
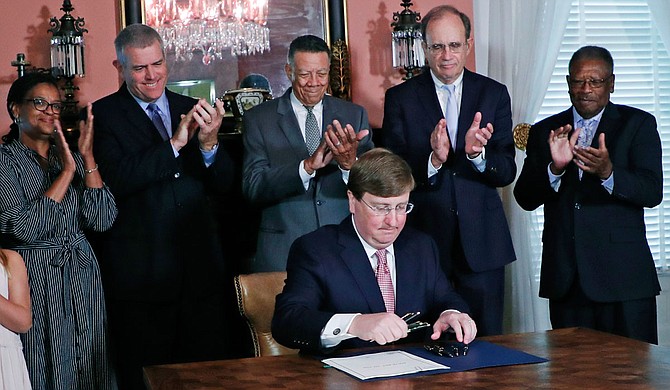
[{"x": 287, "y": 19}]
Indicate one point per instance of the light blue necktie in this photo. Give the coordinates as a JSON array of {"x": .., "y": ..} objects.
[
  {"x": 588, "y": 131},
  {"x": 451, "y": 113},
  {"x": 585, "y": 135},
  {"x": 155, "y": 114}
]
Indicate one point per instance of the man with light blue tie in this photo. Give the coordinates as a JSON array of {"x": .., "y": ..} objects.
[
  {"x": 594, "y": 183},
  {"x": 162, "y": 263},
  {"x": 454, "y": 128}
]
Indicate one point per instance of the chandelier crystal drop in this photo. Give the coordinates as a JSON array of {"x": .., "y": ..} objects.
[
  {"x": 212, "y": 27},
  {"x": 407, "y": 38}
]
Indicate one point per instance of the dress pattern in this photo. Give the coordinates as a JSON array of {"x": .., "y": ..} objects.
[{"x": 67, "y": 347}]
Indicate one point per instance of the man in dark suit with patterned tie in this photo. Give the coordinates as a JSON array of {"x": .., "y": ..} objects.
[
  {"x": 454, "y": 128},
  {"x": 594, "y": 183},
  {"x": 348, "y": 284},
  {"x": 162, "y": 262},
  {"x": 298, "y": 150}
]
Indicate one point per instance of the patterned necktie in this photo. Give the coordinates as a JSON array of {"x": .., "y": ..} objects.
[
  {"x": 384, "y": 280},
  {"x": 588, "y": 131},
  {"x": 451, "y": 113},
  {"x": 312, "y": 131},
  {"x": 585, "y": 135},
  {"x": 155, "y": 114}
]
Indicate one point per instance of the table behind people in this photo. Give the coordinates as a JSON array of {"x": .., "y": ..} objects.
[
  {"x": 460, "y": 149},
  {"x": 162, "y": 261},
  {"x": 594, "y": 183},
  {"x": 350, "y": 283},
  {"x": 300, "y": 187}
]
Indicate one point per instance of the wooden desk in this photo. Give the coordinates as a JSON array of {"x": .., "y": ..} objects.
[{"x": 578, "y": 359}]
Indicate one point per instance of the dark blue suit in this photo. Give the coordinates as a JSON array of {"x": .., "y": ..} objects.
[
  {"x": 460, "y": 206},
  {"x": 329, "y": 273},
  {"x": 590, "y": 235},
  {"x": 162, "y": 263}
]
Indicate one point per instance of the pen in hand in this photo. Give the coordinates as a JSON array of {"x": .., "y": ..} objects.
[
  {"x": 410, "y": 316},
  {"x": 412, "y": 326}
]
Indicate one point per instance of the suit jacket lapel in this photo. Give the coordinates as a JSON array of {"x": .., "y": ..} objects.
[
  {"x": 354, "y": 257},
  {"x": 406, "y": 277},
  {"x": 136, "y": 115},
  {"x": 470, "y": 95},
  {"x": 610, "y": 123},
  {"x": 427, "y": 98},
  {"x": 288, "y": 123}
]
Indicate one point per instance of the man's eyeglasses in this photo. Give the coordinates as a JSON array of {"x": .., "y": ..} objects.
[
  {"x": 403, "y": 208},
  {"x": 43, "y": 105},
  {"x": 454, "y": 47},
  {"x": 593, "y": 83}
]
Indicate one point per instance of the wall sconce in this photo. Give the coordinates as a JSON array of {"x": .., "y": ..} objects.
[
  {"x": 67, "y": 58},
  {"x": 407, "y": 38}
]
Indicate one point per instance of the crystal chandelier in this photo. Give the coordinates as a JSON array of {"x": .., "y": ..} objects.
[
  {"x": 407, "y": 38},
  {"x": 212, "y": 27}
]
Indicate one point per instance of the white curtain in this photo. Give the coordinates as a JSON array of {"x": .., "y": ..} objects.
[
  {"x": 516, "y": 43},
  {"x": 660, "y": 10}
]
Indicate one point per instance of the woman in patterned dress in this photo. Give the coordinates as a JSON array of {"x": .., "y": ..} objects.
[{"x": 49, "y": 195}]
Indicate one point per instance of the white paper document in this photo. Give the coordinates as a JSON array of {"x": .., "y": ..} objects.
[{"x": 383, "y": 364}]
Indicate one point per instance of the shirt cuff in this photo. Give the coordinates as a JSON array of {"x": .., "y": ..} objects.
[
  {"x": 609, "y": 183},
  {"x": 345, "y": 175},
  {"x": 304, "y": 176},
  {"x": 336, "y": 330},
  {"x": 554, "y": 180},
  {"x": 432, "y": 171},
  {"x": 208, "y": 156},
  {"x": 480, "y": 161}
]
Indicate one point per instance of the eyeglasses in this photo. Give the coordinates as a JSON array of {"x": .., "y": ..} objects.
[
  {"x": 593, "y": 83},
  {"x": 43, "y": 105},
  {"x": 403, "y": 208},
  {"x": 454, "y": 47}
]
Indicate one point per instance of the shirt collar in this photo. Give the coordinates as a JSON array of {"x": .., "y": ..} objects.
[
  {"x": 438, "y": 84},
  {"x": 161, "y": 102},
  {"x": 578, "y": 117},
  {"x": 298, "y": 106}
]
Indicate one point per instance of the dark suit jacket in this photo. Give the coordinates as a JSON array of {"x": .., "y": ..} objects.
[
  {"x": 165, "y": 238},
  {"x": 329, "y": 272},
  {"x": 411, "y": 111},
  {"x": 273, "y": 149},
  {"x": 587, "y": 231}
]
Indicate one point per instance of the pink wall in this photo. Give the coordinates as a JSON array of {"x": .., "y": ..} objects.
[
  {"x": 24, "y": 29},
  {"x": 369, "y": 27}
]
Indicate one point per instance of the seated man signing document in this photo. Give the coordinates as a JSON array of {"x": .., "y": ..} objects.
[{"x": 350, "y": 284}]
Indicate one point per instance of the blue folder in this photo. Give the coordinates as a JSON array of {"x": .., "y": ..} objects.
[{"x": 481, "y": 354}]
